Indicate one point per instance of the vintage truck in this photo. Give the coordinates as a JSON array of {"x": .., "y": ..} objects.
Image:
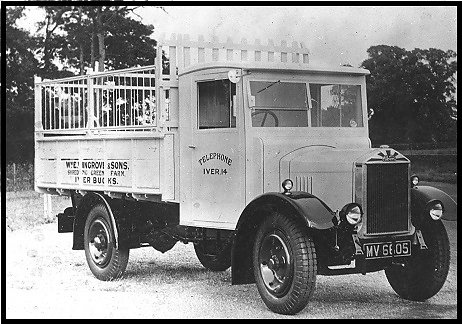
[{"x": 249, "y": 152}]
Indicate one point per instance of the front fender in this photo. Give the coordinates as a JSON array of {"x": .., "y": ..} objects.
[
  {"x": 308, "y": 208},
  {"x": 422, "y": 195},
  {"x": 315, "y": 212}
]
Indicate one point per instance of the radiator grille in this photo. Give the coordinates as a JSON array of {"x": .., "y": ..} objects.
[{"x": 387, "y": 198}]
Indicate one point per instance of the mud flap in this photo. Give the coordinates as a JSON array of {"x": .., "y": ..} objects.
[{"x": 66, "y": 221}]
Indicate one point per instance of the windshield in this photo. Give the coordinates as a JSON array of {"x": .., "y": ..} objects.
[
  {"x": 336, "y": 105},
  {"x": 286, "y": 104},
  {"x": 279, "y": 104}
]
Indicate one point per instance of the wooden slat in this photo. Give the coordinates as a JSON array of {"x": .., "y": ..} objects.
[
  {"x": 173, "y": 63},
  {"x": 38, "y": 104},
  {"x": 190, "y": 53},
  {"x": 186, "y": 42}
]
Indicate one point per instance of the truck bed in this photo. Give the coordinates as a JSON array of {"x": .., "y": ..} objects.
[{"x": 111, "y": 132}]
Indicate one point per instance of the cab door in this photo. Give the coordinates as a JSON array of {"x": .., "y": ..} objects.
[{"x": 216, "y": 148}]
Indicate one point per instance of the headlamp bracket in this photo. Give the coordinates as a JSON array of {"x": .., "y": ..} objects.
[{"x": 420, "y": 239}]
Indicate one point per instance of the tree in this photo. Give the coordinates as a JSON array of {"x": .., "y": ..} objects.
[
  {"x": 21, "y": 65},
  {"x": 412, "y": 94},
  {"x": 83, "y": 35},
  {"x": 52, "y": 41},
  {"x": 127, "y": 42}
]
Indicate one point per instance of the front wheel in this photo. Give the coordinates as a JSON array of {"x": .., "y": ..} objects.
[
  {"x": 106, "y": 262},
  {"x": 423, "y": 274},
  {"x": 284, "y": 263}
]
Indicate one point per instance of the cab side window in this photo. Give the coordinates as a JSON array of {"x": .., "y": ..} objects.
[{"x": 215, "y": 104}]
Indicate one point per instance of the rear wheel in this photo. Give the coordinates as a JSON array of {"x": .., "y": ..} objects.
[
  {"x": 425, "y": 271},
  {"x": 106, "y": 262},
  {"x": 212, "y": 255},
  {"x": 284, "y": 263}
]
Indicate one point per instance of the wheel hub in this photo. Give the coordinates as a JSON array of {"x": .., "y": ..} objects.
[
  {"x": 98, "y": 243},
  {"x": 275, "y": 264}
]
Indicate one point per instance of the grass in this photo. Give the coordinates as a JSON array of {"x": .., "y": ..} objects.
[
  {"x": 24, "y": 209},
  {"x": 20, "y": 176}
]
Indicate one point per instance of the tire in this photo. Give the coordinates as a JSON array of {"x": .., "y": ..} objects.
[
  {"x": 284, "y": 264},
  {"x": 105, "y": 261},
  {"x": 425, "y": 271},
  {"x": 211, "y": 257}
]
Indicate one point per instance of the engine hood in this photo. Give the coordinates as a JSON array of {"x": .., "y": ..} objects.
[
  {"x": 320, "y": 164},
  {"x": 328, "y": 172},
  {"x": 325, "y": 158}
]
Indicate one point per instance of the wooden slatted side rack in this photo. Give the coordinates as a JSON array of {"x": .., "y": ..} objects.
[{"x": 184, "y": 52}]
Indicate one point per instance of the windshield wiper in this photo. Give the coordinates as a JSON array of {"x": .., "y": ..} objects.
[{"x": 270, "y": 85}]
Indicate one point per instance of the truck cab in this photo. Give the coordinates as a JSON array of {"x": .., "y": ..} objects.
[{"x": 246, "y": 129}]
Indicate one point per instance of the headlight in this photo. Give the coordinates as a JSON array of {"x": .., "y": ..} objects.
[
  {"x": 352, "y": 213},
  {"x": 414, "y": 180},
  {"x": 436, "y": 210},
  {"x": 287, "y": 185}
]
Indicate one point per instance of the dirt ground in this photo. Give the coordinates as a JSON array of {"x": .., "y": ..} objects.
[{"x": 45, "y": 278}]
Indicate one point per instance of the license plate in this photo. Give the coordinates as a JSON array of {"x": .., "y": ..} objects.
[{"x": 382, "y": 250}]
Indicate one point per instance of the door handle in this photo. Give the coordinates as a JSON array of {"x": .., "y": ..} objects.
[{"x": 192, "y": 146}]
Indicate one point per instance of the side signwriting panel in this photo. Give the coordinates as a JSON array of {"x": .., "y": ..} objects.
[
  {"x": 128, "y": 166},
  {"x": 95, "y": 172}
]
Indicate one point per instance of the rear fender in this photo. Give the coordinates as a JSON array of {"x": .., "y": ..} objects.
[
  {"x": 312, "y": 211},
  {"x": 85, "y": 205},
  {"x": 422, "y": 195}
]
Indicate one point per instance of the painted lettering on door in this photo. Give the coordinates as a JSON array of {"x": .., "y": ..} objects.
[{"x": 215, "y": 157}]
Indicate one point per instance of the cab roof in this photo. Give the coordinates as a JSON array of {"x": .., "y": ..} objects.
[{"x": 276, "y": 67}]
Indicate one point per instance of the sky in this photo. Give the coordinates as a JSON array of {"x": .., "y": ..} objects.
[{"x": 334, "y": 35}]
